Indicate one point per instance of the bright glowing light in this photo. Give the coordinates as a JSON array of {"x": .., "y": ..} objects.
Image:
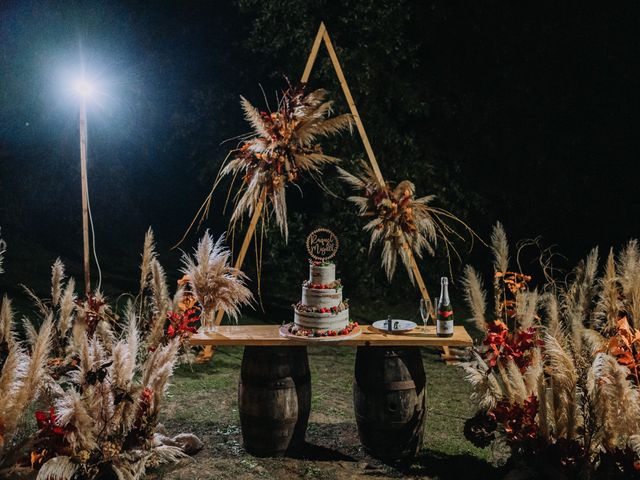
[{"x": 83, "y": 87}]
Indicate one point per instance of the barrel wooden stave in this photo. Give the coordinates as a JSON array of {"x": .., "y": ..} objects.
[
  {"x": 274, "y": 399},
  {"x": 389, "y": 397}
]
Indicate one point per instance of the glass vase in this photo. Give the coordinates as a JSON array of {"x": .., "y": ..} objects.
[{"x": 209, "y": 322}]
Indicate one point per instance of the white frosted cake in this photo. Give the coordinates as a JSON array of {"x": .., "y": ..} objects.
[{"x": 322, "y": 309}]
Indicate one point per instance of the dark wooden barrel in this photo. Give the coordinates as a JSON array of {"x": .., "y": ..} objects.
[
  {"x": 389, "y": 401},
  {"x": 274, "y": 399}
]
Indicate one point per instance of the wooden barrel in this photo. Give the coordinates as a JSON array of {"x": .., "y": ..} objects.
[
  {"x": 274, "y": 399},
  {"x": 389, "y": 401}
]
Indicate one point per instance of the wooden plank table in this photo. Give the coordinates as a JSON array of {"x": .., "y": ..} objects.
[
  {"x": 389, "y": 389},
  {"x": 269, "y": 336}
]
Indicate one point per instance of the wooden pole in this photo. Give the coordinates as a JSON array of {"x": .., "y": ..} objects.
[
  {"x": 352, "y": 106},
  {"x": 314, "y": 53},
  {"x": 247, "y": 240},
  {"x": 85, "y": 194},
  {"x": 324, "y": 34},
  {"x": 322, "y": 31}
]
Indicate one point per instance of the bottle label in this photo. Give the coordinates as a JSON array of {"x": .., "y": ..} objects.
[{"x": 444, "y": 327}]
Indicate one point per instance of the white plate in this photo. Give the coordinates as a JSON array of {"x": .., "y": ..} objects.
[{"x": 398, "y": 326}]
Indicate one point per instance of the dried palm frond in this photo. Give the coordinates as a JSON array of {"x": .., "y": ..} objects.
[
  {"x": 516, "y": 381},
  {"x": 476, "y": 297},
  {"x": 405, "y": 225},
  {"x": 148, "y": 256},
  {"x": 503, "y": 377},
  {"x": 594, "y": 341},
  {"x": 577, "y": 299},
  {"x": 13, "y": 407},
  {"x": 214, "y": 282},
  {"x": 67, "y": 307},
  {"x": 608, "y": 305},
  {"x": 500, "y": 248},
  {"x": 628, "y": 265},
  {"x": 57, "y": 277},
  {"x": 6, "y": 321},
  {"x": 486, "y": 390},
  {"x": 43, "y": 309},
  {"x": 159, "y": 288},
  {"x": 564, "y": 377},
  {"x": 73, "y": 414},
  {"x": 533, "y": 374},
  {"x": 281, "y": 149},
  {"x": 545, "y": 422},
  {"x": 177, "y": 302},
  {"x": 629, "y": 277},
  {"x": 13, "y": 369},
  {"x": 30, "y": 331},
  {"x": 554, "y": 323},
  {"x": 616, "y": 399},
  {"x": 526, "y": 308},
  {"x": 579, "y": 294},
  {"x": 157, "y": 371},
  {"x": 60, "y": 468}
]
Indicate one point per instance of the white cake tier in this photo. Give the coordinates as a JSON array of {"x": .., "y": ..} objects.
[
  {"x": 323, "y": 275},
  {"x": 321, "y": 297},
  {"x": 322, "y": 321}
]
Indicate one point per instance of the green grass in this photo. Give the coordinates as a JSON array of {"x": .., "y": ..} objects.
[{"x": 203, "y": 399}]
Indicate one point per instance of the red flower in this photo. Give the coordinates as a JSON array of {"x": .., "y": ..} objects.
[
  {"x": 517, "y": 420},
  {"x": 92, "y": 310},
  {"x": 47, "y": 423},
  {"x": 180, "y": 324},
  {"x": 505, "y": 345}
]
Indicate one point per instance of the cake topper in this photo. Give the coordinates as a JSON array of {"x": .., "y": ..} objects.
[{"x": 322, "y": 244}]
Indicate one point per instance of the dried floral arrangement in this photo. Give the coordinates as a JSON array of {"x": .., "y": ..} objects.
[
  {"x": 404, "y": 224},
  {"x": 282, "y": 148},
  {"x": 97, "y": 378},
  {"x": 559, "y": 388},
  {"x": 213, "y": 282}
]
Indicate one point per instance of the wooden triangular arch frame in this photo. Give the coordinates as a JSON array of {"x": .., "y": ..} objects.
[{"x": 323, "y": 36}]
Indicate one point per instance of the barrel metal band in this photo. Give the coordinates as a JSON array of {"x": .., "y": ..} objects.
[{"x": 391, "y": 386}]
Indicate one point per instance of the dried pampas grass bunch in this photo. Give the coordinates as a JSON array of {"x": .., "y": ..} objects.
[
  {"x": 405, "y": 225},
  {"x": 575, "y": 406},
  {"x": 162, "y": 317},
  {"x": 22, "y": 378},
  {"x": 105, "y": 420},
  {"x": 99, "y": 376},
  {"x": 215, "y": 284},
  {"x": 282, "y": 148}
]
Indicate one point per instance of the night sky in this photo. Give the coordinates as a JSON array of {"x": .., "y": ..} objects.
[{"x": 530, "y": 111}]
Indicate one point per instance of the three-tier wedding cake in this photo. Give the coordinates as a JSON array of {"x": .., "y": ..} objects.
[
  {"x": 322, "y": 312},
  {"x": 322, "y": 308}
]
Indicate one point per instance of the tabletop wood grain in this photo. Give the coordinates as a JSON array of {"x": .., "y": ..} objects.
[{"x": 269, "y": 336}]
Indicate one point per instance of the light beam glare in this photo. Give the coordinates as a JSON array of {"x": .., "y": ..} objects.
[{"x": 83, "y": 87}]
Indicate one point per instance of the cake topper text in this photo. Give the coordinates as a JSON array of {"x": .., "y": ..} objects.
[{"x": 322, "y": 244}]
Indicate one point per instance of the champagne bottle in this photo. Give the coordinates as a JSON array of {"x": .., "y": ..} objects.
[{"x": 444, "y": 319}]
